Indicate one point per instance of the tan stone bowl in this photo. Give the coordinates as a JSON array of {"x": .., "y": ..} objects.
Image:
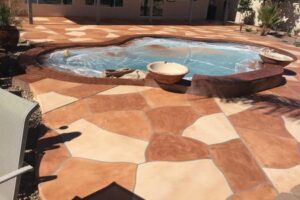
[
  {"x": 167, "y": 72},
  {"x": 275, "y": 58}
]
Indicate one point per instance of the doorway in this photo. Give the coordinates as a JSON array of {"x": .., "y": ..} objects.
[
  {"x": 212, "y": 10},
  {"x": 157, "y": 10}
]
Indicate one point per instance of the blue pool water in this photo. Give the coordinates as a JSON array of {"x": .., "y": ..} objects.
[{"x": 215, "y": 59}]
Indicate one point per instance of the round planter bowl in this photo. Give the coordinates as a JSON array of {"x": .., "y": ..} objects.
[
  {"x": 167, "y": 72},
  {"x": 276, "y": 58}
]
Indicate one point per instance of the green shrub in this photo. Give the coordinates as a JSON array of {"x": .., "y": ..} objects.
[
  {"x": 269, "y": 16},
  {"x": 8, "y": 15}
]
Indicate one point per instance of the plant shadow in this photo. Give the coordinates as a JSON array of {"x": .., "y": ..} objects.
[
  {"x": 270, "y": 104},
  {"x": 112, "y": 191}
]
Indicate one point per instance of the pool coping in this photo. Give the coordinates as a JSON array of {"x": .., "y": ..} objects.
[{"x": 269, "y": 76}]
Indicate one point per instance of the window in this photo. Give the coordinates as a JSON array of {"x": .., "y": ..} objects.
[
  {"x": 112, "y": 3},
  {"x": 65, "y": 2},
  {"x": 49, "y": 2},
  {"x": 145, "y": 9},
  {"x": 157, "y": 8},
  {"x": 89, "y": 2},
  {"x": 118, "y": 3}
]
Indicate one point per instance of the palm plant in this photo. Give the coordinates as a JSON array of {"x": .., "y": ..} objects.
[
  {"x": 8, "y": 15},
  {"x": 9, "y": 34},
  {"x": 269, "y": 16}
]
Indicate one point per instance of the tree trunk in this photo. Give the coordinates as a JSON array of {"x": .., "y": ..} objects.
[
  {"x": 264, "y": 30},
  {"x": 241, "y": 26}
]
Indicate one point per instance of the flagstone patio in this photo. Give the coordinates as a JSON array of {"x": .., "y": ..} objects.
[{"x": 163, "y": 145}]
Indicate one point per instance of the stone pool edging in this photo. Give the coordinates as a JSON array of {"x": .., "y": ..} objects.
[{"x": 269, "y": 76}]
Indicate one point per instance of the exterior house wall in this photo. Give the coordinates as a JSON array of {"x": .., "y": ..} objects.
[
  {"x": 291, "y": 10},
  {"x": 180, "y": 9},
  {"x": 79, "y": 8},
  {"x": 131, "y": 10}
]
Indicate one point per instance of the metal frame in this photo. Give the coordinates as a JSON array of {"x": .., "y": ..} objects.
[
  {"x": 15, "y": 173},
  {"x": 15, "y": 113}
]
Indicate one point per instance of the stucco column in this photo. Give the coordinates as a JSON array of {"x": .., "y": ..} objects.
[
  {"x": 29, "y": 10},
  {"x": 191, "y": 11}
]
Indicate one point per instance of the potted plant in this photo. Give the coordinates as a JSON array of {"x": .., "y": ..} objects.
[
  {"x": 245, "y": 8},
  {"x": 9, "y": 34}
]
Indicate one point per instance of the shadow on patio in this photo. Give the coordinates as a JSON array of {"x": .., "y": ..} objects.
[
  {"x": 112, "y": 191},
  {"x": 270, "y": 104}
]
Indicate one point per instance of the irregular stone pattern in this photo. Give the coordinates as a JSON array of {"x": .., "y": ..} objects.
[
  {"x": 237, "y": 164},
  {"x": 181, "y": 180},
  {"x": 94, "y": 143},
  {"x": 171, "y": 119},
  {"x": 52, "y": 153},
  {"x": 49, "y": 85},
  {"x": 234, "y": 106},
  {"x": 52, "y": 100},
  {"x": 272, "y": 116},
  {"x": 159, "y": 98},
  {"x": 293, "y": 126},
  {"x": 259, "y": 121},
  {"x": 80, "y": 177},
  {"x": 70, "y": 113},
  {"x": 124, "y": 89},
  {"x": 175, "y": 148},
  {"x": 284, "y": 179},
  {"x": 134, "y": 124},
  {"x": 211, "y": 129},
  {"x": 262, "y": 192},
  {"x": 271, "y": 150},
  {"x": 84, "y": 90},
  {"x": 203, "y": 105},
  {"x": 103, "y": 103}
]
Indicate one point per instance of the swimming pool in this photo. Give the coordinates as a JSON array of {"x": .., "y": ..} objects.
[{"x": 206, "y": 58}]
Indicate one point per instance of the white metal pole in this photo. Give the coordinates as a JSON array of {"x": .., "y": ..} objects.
[{"x": 15, "y": 173}]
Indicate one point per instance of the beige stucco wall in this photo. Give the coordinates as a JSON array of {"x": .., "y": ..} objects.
[
  {"x": 295, "y": 10},
  {"x": 130, "y": 10}
]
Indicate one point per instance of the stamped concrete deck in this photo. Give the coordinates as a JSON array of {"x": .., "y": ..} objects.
[{"x": 162, "y": 145}]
